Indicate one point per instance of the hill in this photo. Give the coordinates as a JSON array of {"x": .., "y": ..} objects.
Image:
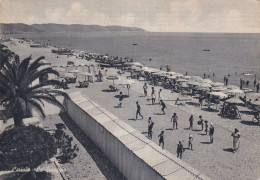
[{"x": 59, "y": 28}]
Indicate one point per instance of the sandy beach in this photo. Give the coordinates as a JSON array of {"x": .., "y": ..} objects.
[{"x": 214, "y": 160}]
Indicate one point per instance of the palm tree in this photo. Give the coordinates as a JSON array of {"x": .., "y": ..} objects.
[{"x": 17, "y": 92}]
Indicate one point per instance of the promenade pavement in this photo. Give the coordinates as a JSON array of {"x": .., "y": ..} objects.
[{"x": 214, "y": 160}]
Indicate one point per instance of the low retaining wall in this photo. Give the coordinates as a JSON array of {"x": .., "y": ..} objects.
[{"x": 134, "y": 155}]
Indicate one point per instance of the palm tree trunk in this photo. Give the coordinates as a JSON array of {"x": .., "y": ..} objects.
[{"x": 18, "y": 119}]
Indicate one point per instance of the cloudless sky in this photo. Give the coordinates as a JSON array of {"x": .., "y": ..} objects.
[{"x": 151, "y": 15}]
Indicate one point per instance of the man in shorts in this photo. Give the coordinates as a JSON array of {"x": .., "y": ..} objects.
[
  {"x": 138, "y": 111},
  {"x": 145, "y": 89}
]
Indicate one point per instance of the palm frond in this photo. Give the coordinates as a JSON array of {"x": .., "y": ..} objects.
[{"x": 37, "y": 106}]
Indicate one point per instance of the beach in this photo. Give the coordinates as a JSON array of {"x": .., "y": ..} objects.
[{"x": 214, "y": 160}]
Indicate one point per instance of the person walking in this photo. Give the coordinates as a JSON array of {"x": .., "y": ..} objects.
[
  {"x": 174, "y": 121},
  {"x": 150, "y": 131},
  {"x": 236, "y": 140},
  {"x": 153, "y": 95},
  {"x": 120, "y": 99},
  {"x": 211, "y": 132},
  {"x": 206, "y": 127},
  {"x": 149, "y": 121},
  {"x": 138, "y": 111},
  {"x": 201, "y": 123},
  {"x": 180, "y": 150},
  {"x": 161, "y": 139},
  {"x": 159, "y": 95},
  {"x": 191, "y": 122},
  {"x": 257, "y": 87},
  {"x": 190, "y": 142},
  {"x": 163, "y": 106},
  {"x": 145, "y": 89}
]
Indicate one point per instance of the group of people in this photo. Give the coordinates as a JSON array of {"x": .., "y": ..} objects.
[{"x": 209, "y": 130}]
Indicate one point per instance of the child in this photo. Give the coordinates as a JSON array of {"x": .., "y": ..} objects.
[
  {"x": 161, "y": 139},
  {"x": 150, "y": 131},
  {"x": 120, "y": 99},
  {"x": 206, "y": 127},
  {"x": 180, "y": 150},
  {"x": 190, "y": 142},
  {"x": 163, "y": 106}
]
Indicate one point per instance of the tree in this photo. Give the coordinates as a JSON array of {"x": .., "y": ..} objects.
[
  {"x": 26, "y": 147},
  {"x": 19, "y": 95}
]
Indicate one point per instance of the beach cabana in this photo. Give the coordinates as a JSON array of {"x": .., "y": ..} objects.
[{"x": 86, "y": 74}]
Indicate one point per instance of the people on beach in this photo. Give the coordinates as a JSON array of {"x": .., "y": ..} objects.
[
  {"x": 153, "y": 95},
  {"x": 241, "y": 83},
  {"x": 257, "y": 88},
  {"x": 176, "y": 102},
  {"x": 174, "y": 121},
  {"x": 159, "y": 95},
  {"x": 161, "y": 139},
  {"x": 201, "y": 122},
  {"x": 191, "y": 122},
  {"x": 150, "y": 131},
  {"x": 236, "y": 140},
  {"x": 190, "y": 142},
  {"x": 163, "y": 106},
  {"x": 138, "y": 111},
  {"x": 206, "y": 127},
  {"x": 120, "y": 99},
  {"x": 211, "y": 133},
  {"x": 200, "y": 101},
  {"x": 149, "y": 121},
  {"x": 145, "y": 89},
  {"x": 180, "y": 150}
]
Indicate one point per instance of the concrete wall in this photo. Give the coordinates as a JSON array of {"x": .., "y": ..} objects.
[{"x": 134, "y": 155}]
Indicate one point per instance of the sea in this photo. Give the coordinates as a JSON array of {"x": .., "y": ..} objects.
[{"x": 193, "y": 53}]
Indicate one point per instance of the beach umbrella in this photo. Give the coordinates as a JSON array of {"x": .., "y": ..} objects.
[
  {"x": 74, "y": 71},
  {"x": 236, "y": 91},
  {"x": 205, "y": 85},
  {"x": 68, "y": 75},
  {"x": 186, "y": 77},
  {"x": 172, "y": 77},
  {"x": 234, "y": 101},
  {"x": 178, "y": 74},
  {"x": 193, "y": 83},
  {"x": 181, "y": 80},
  {"x": 219, "y": 89},
  {"x": 247, "y": 90},
  {"x": 196, "y": 78},
  {"x": 184, "y": 85},
  {"x": 255, "y": 103},
  {"x": 200, "y": 88},
  {"x": 230, "y": 87},
  {"x": 221, "y": 95},
  {"x": 207, "y": 81},
  {"x": 137, "y": 64},
  {"x": 171, "y": 73},
  {"x": 217, "y": 84},
  {"x": 113, "y": 77}
]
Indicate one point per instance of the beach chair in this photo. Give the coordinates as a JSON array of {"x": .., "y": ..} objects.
[
  {"x": 113, "y": 88},
  {"x": 83, "y": 84}
]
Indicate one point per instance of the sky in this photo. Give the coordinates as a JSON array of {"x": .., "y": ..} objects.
[{"x": 227, "y": 16}]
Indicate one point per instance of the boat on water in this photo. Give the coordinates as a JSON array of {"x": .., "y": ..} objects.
[
  {"x": 135, "y": 44},
  {"x": 206, "y": 49}
]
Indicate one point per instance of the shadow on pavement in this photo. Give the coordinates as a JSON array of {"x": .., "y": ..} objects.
[
  {"x": 132, "y": 119},
  {"x": 193, "y": 104},
  {"x": 228, "y": 149},
  {"x": 106, "y": 167},
  {"x": 250, "y": 123},
  {"x": 205, "y": 142},
  {"x": 209, "y": 110}
]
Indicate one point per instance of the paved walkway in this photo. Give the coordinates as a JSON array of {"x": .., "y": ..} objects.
[{"x": 214, "y": 160}]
